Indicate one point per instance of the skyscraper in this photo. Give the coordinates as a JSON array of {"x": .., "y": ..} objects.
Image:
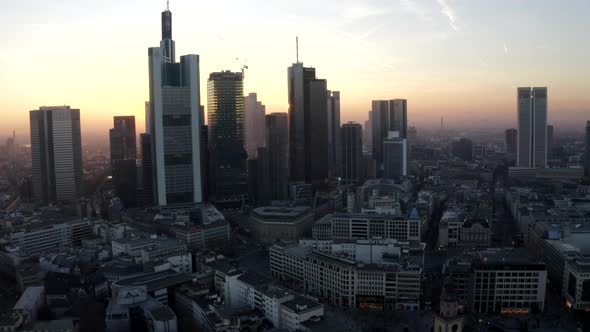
[
  {"x": 352, "y": 152},
  {"x": 587, "y": 170},
  {"x": 335, "y": 158},
  {"x": 277, "y": 147},
  {"x": 550, "y": 142},
  {"x": 175, "y": 122},
  {"x": 532, "y": 128},
  {"x": 395, "y": 156},
  {"x": 145, "y": 182},
  {"x": 123, "y": 159},
  {"x": 387, "y": 115},
  {"x": 254, "y": 112},
  {"x": 379, "y": 127},
  {"x": 56, "y": 149},
  {"x": 511, "y": 141},
  {"x": 398, "y": 117},
  {"x": 308, "y": 126},
  {"x": 228, "y": 158}
]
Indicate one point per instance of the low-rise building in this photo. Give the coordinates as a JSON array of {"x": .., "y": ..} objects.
[{"x": 270, "y": 224}]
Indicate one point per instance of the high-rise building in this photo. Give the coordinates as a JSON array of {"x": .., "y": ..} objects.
[
  {"x": 379, "y": 127},
  {"x": 228, "y": 158},
  {"x": 145, "y": 183},
  {"x": 254, "y": 112},
  {"x": 352, "y": 152},
  {"x": 123, "y": 158},
  {"x": 587, "y": 169},
  {"x": 549, "y": 142},
  {"x": 277, "y": 146},
  {"x": 387, "y": 115},
  {"x": 308, "y": 125},
  {"x": 532, "y": 128},
  {"x": 335, "y": 158},
  {"x": 175, "y": 123},
  {"x": 395, "y": 156},
  {"x": 56, "y": 148},
  {"x": 511, "y": 141},
  {"x": 398, "y": 117}
]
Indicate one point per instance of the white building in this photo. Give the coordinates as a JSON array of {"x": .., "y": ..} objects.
[
  {"x": 367, "y": 274},
  {"x": 282, "y": 307},
  {"x": 44, "y": 237},
  {"x": 367, "y": 226}
]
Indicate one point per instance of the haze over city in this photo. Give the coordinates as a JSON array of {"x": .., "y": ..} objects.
[{"x": 461, "y": 60}]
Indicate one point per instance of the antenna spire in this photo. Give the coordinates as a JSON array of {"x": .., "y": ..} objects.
[
  {"x": 297, "y": 47},
  {"x": 168, "y": 5}
]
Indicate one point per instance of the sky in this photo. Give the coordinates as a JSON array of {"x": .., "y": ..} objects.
[{"x": 457, "y": 59}]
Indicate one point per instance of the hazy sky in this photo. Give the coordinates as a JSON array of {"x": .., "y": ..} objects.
[{"x": 461, "y": 59}]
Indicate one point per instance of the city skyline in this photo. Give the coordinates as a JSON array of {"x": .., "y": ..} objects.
[{"x": 474, "y": 70}]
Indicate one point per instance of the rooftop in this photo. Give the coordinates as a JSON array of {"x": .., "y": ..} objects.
[
  {"x": 154, "y": 281},
  {"x": 301, "y": 304},
  {"x": 163, "y": 313},
  {"x": 281, "y": 214}
]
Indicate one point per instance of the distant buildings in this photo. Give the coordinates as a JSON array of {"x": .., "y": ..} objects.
[
  {"x": 550, "y": 129},
  {"x": 228, "y": 159},
  {"x": 386, "y": 116},
  {"x": 463, "y": 149},
  {"x": 352, "y": 153},
  {"x": 56, "y": 148},
  {"x": 334, "y": 137},
  {"x": 123, "y": 159},
  {"x": 511, "y": 141},
  {"x": 309, "y": 156},
  {"x": 532, "y": 128},
  {"x": 254, "y": 112},
  {"x": 587, "y": 159},
  {"x": 175, "y": 119}
]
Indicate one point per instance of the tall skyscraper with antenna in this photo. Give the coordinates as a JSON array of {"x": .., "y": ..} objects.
[
  {"x": 175, "y": 123},
  {"x": 532, "y": 127},
  {"x": 308, "y": 125}
]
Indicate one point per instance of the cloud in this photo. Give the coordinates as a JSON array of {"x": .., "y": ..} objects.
[
  {"x": 505, "y": 48},
  {"x": 421, "y": 12},
  {"x": 447, "y": 11}
]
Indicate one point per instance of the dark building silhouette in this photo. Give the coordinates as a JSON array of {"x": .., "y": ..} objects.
[
  {"x": 511, "y": 141},
  {"x": 123, "y": 148},
  {"x": 334, "y": 143},
  {"x": 277, "y": 148},
  {"x": 550, "y": 141},
  {"x": 352, "y": 152},
  {"x": 145, "y": 177},
  {"x": 56, "y": 151},
  {"x": 386, "y": 116},
  {"x": 228, "y": 158},
  {"x": 308, "y": 126},
  {"x": 463, "y": 149},
  {"x": 587, "y": 170}
]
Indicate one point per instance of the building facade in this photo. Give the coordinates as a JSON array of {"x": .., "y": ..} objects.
[
  {"x": 277, "y": 146},
  {"x": 175, "y": 119},
  {"x": 511, "y": 141},
  {"x": 254, "y": 124},
  {"x": 395, "y": 156},
  {"x": 352, "y": 152},
  {"x": 123, "y": 148},
  {"x": 532, "y": 127},
  {"x": 228, "y": 158},
  {"x": 56, "y": 151},
  {"x": 308, "y": 126},
  {"x": 334, "y": 137}
]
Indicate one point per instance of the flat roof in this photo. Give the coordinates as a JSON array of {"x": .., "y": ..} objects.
[
  {"x": 154, "y": 281},
  {"x": 302, "y": 304}
]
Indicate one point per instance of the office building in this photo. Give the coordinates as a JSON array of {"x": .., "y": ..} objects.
[
  {"x": 367, "y": 226},
  {"x": 123, "y": 159},
  {"x": 308, "y": 126},
  {"x": 335, "y": 157},
  {"x": 271, "y": 224},
  {"x": 463, "y": 149},
  {"x": 228, "y": 159},
  {"x": 395, "y": 156},
  {"x": 145, "y": 180},
  {"x": 511, "y": 141},
  {"x": 398, "y": 117},
  {"x": 587, "y": 159},
  {"x": 352, "y": 153},
  {"x": 206, "y": 228},
  {"x": 379, "y": 128},
  {"x": 175, "y": 123},
  {"x": 56, "y": 152},
  {"x": 532, "y": 128},
  {"x": 254, "y": 112},
  {"x": 369, "y": 274},
  {"x": 43, "y": 237},
  {"x": 550, "y": 141},
  {"x": 277, "y": 147}
]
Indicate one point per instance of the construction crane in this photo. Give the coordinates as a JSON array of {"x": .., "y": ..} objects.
[{"x": 243, "y": 66}]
